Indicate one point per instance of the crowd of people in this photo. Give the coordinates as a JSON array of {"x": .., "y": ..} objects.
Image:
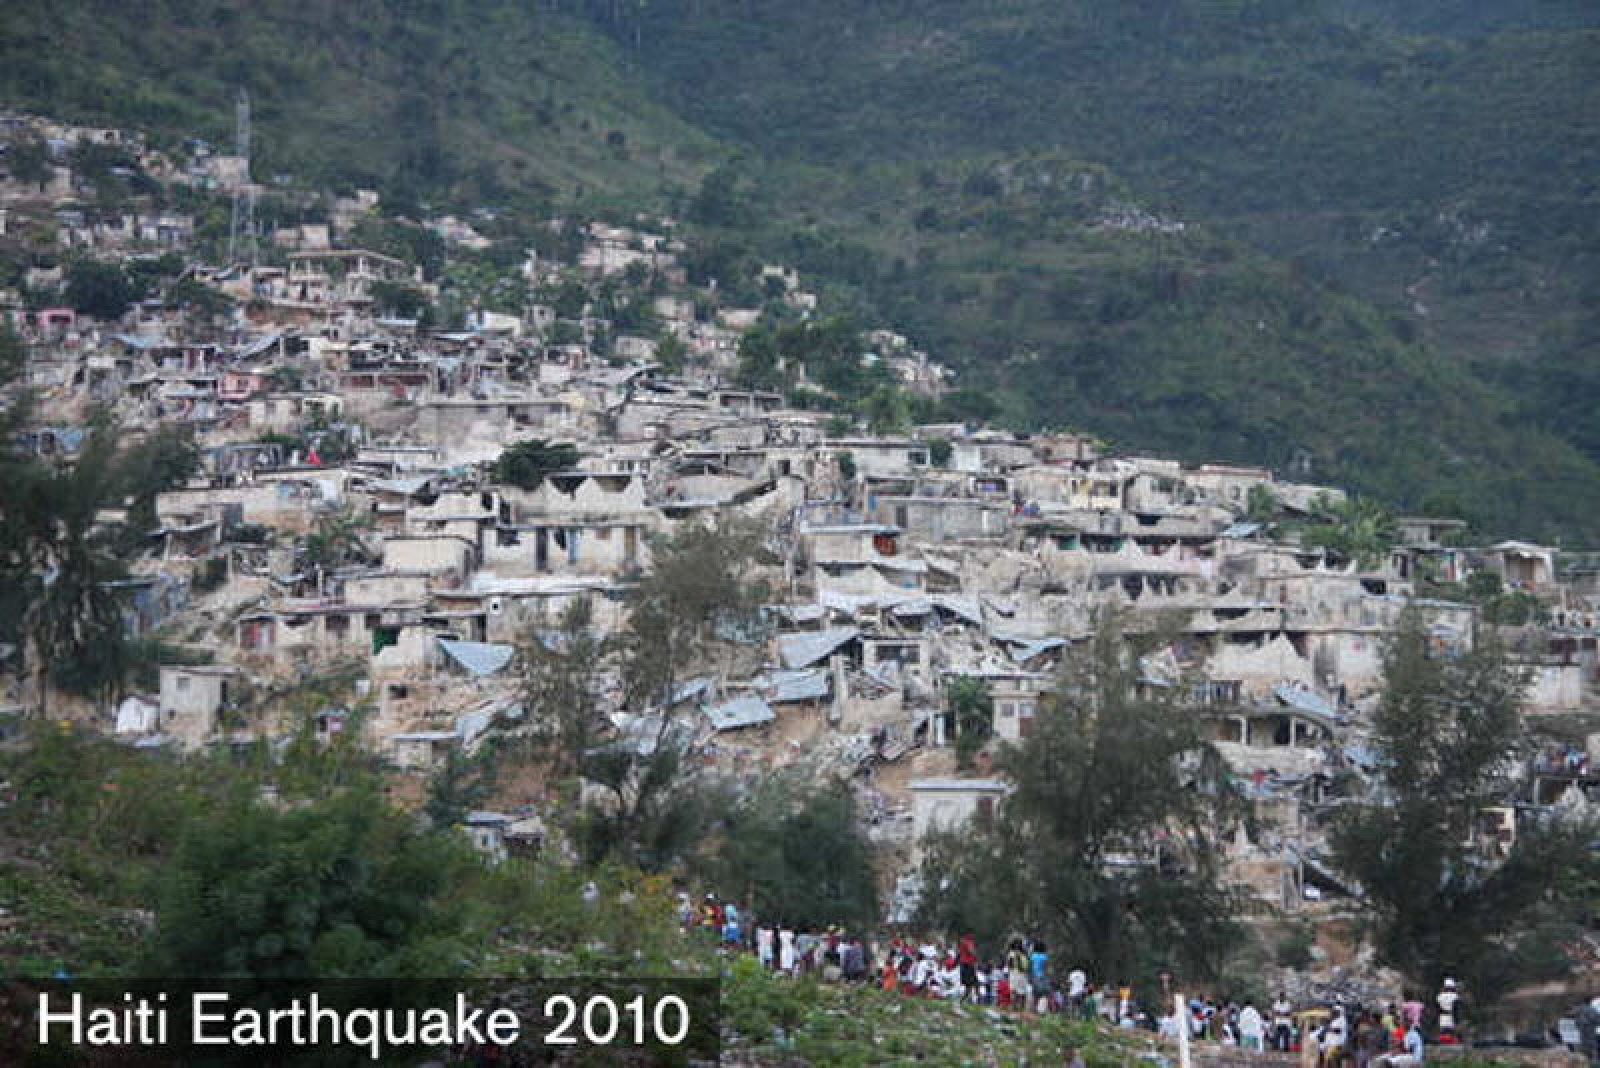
[
  {"x": 1386, "y": 1037},
  {"x": 1022, "y": 979}
]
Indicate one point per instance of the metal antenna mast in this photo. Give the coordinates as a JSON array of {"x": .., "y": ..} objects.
[{"x": 242, "y": 224}]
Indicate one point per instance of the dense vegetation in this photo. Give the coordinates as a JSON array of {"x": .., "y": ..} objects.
[
  {"x": 496, "y": 101},
  {"x": 1389, "y": 226},
  {"x": 1110, "y": 839},
  {"x": 117, "y": 862},
  {"x": 1443, "y": 732}
]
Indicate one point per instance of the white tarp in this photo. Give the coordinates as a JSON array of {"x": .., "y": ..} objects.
[{"x": 478, "y": 658}]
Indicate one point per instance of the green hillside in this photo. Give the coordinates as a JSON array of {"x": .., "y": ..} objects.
[
  {"x": 1388, "y": 244},
  {"x": 1441, "y": 191},
  {"x": 489, "y": 100},
  {"x": 1384, "y": 160},
  {"x": 1187, "y": 342}
]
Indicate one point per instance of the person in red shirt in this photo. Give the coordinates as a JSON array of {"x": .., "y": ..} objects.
[{"x": 967, "y": 957}]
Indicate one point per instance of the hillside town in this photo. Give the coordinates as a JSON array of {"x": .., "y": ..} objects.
[{"x": 352, "y": 517}]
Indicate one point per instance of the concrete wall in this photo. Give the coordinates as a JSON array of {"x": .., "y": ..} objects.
[
  {"x": 1555, "y": 688},
  {"x": 190, "y": 702}
]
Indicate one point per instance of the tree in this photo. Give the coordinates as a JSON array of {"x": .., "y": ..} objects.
[
  {"x": 795, "y": 852},
  {"x": 700, "y": 601},
  {"x": 940, "y": 451},
  {"x": 463, "y": 783},
  {"x": 1447, "y": 732},
  {"x": 29, "y": 160},
  {"x": 527, "y": 463},
  {"x": 334, "y": 542},
  {"x": 1261, "y": 504},
  {"x": 167, "y": 458},
  {"x": 398, "y": 299},
  {"x": 887, "y": 410},
  {"x": 199, "y": 299},
  {"x": 12, "y": 357},
  {"x": 1109, "y": 843},
  {"x": 1356, "y": 528},
  {"x": 101, "y": 290},
  {"x": 758, "y": 361},
  {"x": 56, "y": 561},
  {"x": 973, "y": 711},
  {"x": 345, "y": 887},
  {"x": 671, "y": 353},
  {"x": 562, "y": 688},
  {"x": 721, "y": 200}
]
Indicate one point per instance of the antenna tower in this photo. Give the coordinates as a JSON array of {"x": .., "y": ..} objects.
[{"x": 242, "y": 224}]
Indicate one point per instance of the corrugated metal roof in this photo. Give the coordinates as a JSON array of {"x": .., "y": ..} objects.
[
  {"x": 258, "y": 346},
  {"x": 803, "y": 650},
  {"x": 966, "y": 608},
  {"x": 748, "y": 711},
  {"x": 478, "y": 658},
  {"x": 808, "y": 685},
  {"x": 694, "y": 688}
]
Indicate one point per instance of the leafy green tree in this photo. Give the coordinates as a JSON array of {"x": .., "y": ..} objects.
[
  {"x": 199, "y": 299},
  {"x": 969, "y": 406},
  {"x": 1357, "y": 528},
  {"x": 940, "y": 451},
  {"x": 758, "y": 361},
  {"x": 165, "y": 459},
  {"x": 562, "y": 687},
  {"x": 527, "y": 463},
  {"x": 335, "y": 541},
  {"x": 700, "y": 601},
  {"x": 398, "y": 299},
  {"x": 887, "y": 410},
  {"x": 463, "y": 783},
  {"x": 569, "y": 299},
  {"x": 1108, "y": 845},
  {"x": 56, "y": 561},
  {"x": 671, "y": 354},
  {"x": 1447, "y": 732},
  {"x": 12, "y": 357},
  {"x": 795, "y": 852},
  {"x": 345, "y": 887},
  {"x": 721, "y": 200},
  {"x": 101, "y": 290},
  {"x": 1261, "y": 505},
  {"x": 29, "y": 160},
  {"x": 973, "y": 711}
]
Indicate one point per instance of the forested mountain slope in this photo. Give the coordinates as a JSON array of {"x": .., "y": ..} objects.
[
  {"x": 1442, "y": 188},
  {"x": 1388, "y": 239},
  {"x": 490, "y": 99}
]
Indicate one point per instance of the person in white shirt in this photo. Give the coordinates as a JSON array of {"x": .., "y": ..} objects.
[
  {"x": 1335, "y": 1035},
  {"x": 1252, "y": 1028},
  {"x": 1077, "y": 984},
  {"x": 786, "y": 958},
  {"x": 1282, "y": 1023},
  {"x": 764, "y": 946},
  {"x": 1447, "y": 999}
]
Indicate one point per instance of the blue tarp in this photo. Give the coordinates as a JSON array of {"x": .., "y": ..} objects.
[
  {"x": 1304, "y": 700},
  {"x": 1022, "y": 652}
]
